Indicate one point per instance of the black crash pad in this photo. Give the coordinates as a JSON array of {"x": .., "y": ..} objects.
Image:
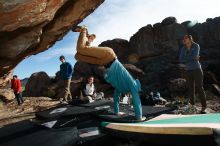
[
  {"x": 129, "y": 117},
  {"x": 51, "y": 113},
  {"x": 103, "y": 102},
  {"x": 63, "y": 111},
  {"x": 147, "y": 110},
  {"x": 26, "y": 133},
  {"x": 79, "y": 122},
  {"x": 122, "y": 119},
  {"x": 155, "y": 111}
]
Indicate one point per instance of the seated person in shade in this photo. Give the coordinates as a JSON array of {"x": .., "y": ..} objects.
[
  {"x": 152, "y": 99},
  {"x": 157, "y": 98},
  {"x": 89, "y": 91}
]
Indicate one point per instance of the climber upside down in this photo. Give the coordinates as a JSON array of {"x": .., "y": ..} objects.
[{"x": 116, "y": 74}]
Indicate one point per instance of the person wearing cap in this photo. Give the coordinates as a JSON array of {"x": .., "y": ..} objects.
[
  {"x": 115, "y": 74},
  {"x": 189, "y": 57},
  {"x": 66, "y": 75},
  {"x": 16, "y": 86}
]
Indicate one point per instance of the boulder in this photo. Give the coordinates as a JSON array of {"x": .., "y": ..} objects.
[
  {"x": 136, "y": 72},
  {"x": 156, "y": 50},
  {"x": 159, "y": 39},
  {"x": 75, "y": 87},
  {"x": 28, "y": 27},
  {"x": 36, "y": 84},
  {"x": 82, "y": 69},
  {"x": 57, "y": 76},
  {"x": 178, "y": 87},
  {"x": 120, "y": 46},
  {"x": 207, "y": 34},
  {"x": 216, "y": 89},
  {"x": 169, "y": 20},
  {"x": 142, "y": 42},
  {"x": 6, "y": 95},
  {"x": 5, "y": 80},
  {"x": 209, "y": 78}
]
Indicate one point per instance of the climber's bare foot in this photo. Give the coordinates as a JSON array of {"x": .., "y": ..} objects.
[
  {"x": 76, "y": 29},
  {"x": 79, "y": 28}
]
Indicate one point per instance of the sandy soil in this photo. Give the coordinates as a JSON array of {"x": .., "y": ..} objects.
[{"x": 11, "y": 112}]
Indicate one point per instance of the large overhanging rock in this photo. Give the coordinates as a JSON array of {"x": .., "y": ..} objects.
[{"x": 28, "y": 27}]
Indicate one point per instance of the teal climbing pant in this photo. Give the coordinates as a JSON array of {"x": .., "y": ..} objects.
[{"x": 123, "y": 83}]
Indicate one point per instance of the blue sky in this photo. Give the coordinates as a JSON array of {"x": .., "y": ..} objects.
[{"x": 118, "y": 19}]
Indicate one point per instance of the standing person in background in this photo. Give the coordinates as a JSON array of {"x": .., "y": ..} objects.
[
  {"x": 16, "y": 86},
  {"x": 66, "y": 75},
  {"x": 189, "y": 56}
]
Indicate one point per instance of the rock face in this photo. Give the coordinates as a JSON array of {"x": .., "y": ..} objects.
[
  {"x": 5, "y": 79},
  {"x": 28, "y": 27},
  {"x": 6, "y": 95},
  {"x": 158, "y": 39},
  {"x": 157, "y": 48},
  {"x": 55, "y": 90},
  {"x": 136, "y": 72},
  {"x": 36, "y": 84},
  {"x": 82, "y": 69},
  {"x": 178, "y": 88},
  {"x": 120, "y": 46}
]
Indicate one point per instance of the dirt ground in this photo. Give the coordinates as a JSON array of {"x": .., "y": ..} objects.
[
  {"x": 213, "y": 106},
  {"x": 12, "y": 113}
]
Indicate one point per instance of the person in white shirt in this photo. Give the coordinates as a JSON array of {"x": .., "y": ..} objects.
[{"x": 89, "y": 91}]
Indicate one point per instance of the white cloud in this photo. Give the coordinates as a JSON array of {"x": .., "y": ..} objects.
[{"x": 54, "y": 52}]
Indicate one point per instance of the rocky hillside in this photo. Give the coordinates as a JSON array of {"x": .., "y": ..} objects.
[
  {"x": 28, "y": 27},
  {"x": 24, "y": 82},
  {"x": 155, "y": 48}
]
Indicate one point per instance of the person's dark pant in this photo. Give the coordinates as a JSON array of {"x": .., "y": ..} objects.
[
  {"x": 195, "y": 81},
  {"x": 19, "y": 98}
]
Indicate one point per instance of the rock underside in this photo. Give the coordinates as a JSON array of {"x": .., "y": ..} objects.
[{"x": 28, "y": 27}]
